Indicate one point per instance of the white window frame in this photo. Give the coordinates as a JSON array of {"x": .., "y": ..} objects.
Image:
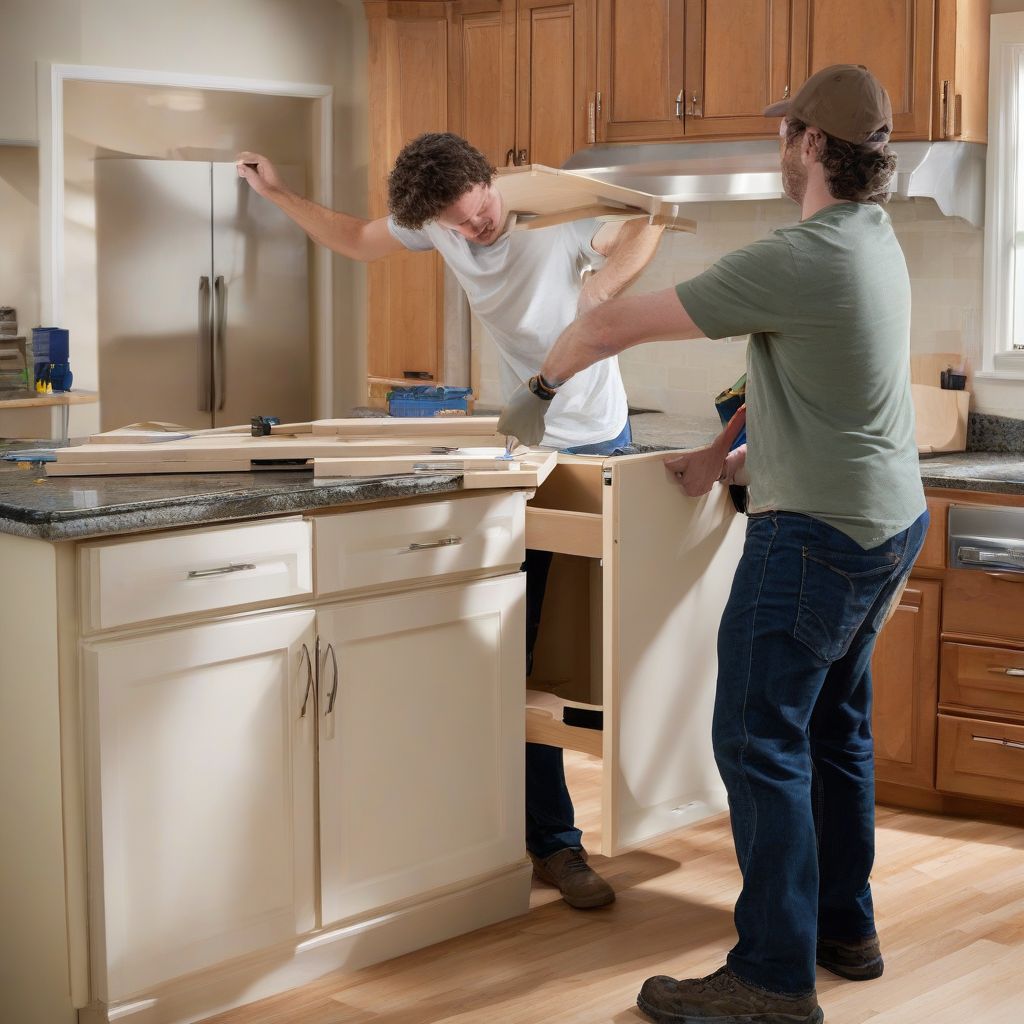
[{"x": 1003, "y": 187}]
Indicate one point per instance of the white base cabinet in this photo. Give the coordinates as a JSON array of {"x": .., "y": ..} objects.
[
  {"x": 419, "y": 733},
  {"x": 200, "y": 780}
]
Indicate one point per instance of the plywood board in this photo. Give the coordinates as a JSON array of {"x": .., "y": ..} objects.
[
  {"x": 410, "y": 426},
  {"x": 553, "y": 196},
  {"x": 940, "y": 418}
]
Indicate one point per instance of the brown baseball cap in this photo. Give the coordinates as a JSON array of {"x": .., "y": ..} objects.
[{"x": 845, "y": 101}]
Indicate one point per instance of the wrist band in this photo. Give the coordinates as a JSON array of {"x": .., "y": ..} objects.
[{"x": 542, "y": 389}]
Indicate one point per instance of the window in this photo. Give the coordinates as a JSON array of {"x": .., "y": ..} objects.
[{"x": 1004, "y": 219}]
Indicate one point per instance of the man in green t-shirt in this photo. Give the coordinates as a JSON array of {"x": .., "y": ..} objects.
[{"x": 837, "y": 517}]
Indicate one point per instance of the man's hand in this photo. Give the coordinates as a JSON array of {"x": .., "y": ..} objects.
[
  {"x": 523, "y": 415},
  {"x": 259, "y": 172},
  {"x": 696, "y": 471}
]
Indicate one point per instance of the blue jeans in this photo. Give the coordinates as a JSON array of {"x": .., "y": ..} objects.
[
  {"x": 792, "y": 736},
  {"x": 550, "y": 819}
]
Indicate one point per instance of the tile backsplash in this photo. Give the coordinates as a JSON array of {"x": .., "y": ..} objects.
[{"x": 944, "y": 258}]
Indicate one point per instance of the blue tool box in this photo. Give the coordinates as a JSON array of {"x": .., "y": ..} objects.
[{"x": 423, "y": 400}]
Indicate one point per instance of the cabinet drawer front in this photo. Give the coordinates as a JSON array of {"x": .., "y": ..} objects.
[
  {"x": 984, "y": 603},
  {"x": 194, "y": 571},
  {"x": 377, "y": 547},
  {"x": 979, "y": 758},
  {"x": 990, "y": 678}
]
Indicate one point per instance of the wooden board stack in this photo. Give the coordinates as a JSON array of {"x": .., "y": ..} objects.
[{"x": 332, "y": 448}]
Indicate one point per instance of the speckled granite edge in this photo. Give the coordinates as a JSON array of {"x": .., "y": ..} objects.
[
  {"x": 197, "y": 510},
  {"x": 987, "y": 433}
]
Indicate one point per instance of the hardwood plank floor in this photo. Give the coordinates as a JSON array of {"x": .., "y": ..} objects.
[{"x": 949, "y": 894}]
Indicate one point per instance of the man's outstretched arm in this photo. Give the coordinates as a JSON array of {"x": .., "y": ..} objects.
[{"x": 629, "y": 246}]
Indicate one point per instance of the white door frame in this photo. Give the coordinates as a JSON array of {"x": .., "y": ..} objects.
[{"x": 51, "y": 79}]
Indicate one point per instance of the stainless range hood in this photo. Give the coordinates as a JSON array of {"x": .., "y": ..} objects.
[{"x": 951, "y": 173}]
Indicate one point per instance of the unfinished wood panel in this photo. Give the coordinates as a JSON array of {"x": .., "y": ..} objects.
[
  {"x": 893, "y": 38},
  {"x": 544, "y": 724},
  {"x": 571, "y": 533},
  {"x": 408, "y": 96},
  {"x": 482, "y": 75},
  {"x": 981, "y": 758},
  {"x": 960, "y": 105},
  {"x": 904, "y": 673},
  {"x": 552, "y": 71},
  {"x": 737, "y": 63},
  {"x": 575, "y": 485},
  {"x": 640, "y": 55},
  {"x": 990, "y": 679}
]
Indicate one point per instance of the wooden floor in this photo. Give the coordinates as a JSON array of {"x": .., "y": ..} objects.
[{"x": 949, "y": 895}]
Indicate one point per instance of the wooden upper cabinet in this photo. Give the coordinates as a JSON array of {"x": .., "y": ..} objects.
[
  {"x": 640, "y": 70},
  {"x": 893, "y": 38},
  {"x": 482, "y": 76},
  {"x": 736, "y": 64},
  {"x": 408, "y": 96},
  {"x": 960, "y": 110},
  {"x": 553, "y": 80}
]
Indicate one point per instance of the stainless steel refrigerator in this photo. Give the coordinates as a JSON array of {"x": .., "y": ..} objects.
[{"x": 203, "y": 297}]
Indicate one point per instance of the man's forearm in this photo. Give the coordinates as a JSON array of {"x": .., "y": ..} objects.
[
  {"x": 634, "y": 247},
  {"x": 615, "y": 326}
]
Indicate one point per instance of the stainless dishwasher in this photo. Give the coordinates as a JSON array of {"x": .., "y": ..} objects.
[{"x": 991, "y": 539}]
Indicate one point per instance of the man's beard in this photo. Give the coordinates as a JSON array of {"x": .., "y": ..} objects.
[{"x": 794, "y": 175}]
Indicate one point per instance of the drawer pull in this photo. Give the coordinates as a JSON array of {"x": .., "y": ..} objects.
[
  {"x": 1010, "y": 577},
  {"x": 1000, "y": 670},
  {"x": 334, "y": 687},
  {"x": 309, "y": 678},
  {"x": 998, "y": 741},
  {"x": 444, "y": 542},
  {"x": 224, "y": 570}
]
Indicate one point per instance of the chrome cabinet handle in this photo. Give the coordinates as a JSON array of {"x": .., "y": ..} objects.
[
  {"x": 203, "y": 345},
  {"x": 334, "y": 686},
  {"x": 220, "y": 301},
  {"x": 694, "y": 112},
  {"x": 522, "y": 157},
  {"x": 444, "y": 542},
  {"x": 679, "y": 105},
  {"x": 1017, "y": 673},
  {"x": 223, "y": 570},
  {"x": 309, "y": 678},
  {"x": 980, "y": 556},
  {"x": 999, "y": 741}
]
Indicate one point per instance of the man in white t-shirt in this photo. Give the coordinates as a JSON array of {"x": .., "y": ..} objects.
[{"x": 525, "y": 287}]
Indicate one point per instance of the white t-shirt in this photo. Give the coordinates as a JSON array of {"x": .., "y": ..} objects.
[{"x": 524, "y": 288}]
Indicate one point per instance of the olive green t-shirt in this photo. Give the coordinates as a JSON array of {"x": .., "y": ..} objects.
[{"x": 830, "y": 424}]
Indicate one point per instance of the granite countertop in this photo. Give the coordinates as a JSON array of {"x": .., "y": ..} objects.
[{"x": 70, "y": 508}]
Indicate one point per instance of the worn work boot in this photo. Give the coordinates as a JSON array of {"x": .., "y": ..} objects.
[
  {"x": 580, "y": 885},
  {"x": 858, "y": 960},
  {"x": 723, "y": 998}
]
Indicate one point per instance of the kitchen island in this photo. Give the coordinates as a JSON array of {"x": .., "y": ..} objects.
[{"x": 231, "y": 701}]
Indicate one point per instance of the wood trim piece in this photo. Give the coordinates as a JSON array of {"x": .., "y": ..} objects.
[{"x": 570, "y": 533}]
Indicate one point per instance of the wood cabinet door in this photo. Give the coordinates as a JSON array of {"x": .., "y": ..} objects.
[
  {"x": 669, "y": 562},
  {"x": 737, "y": 62},
  {"x": 640, "y": 74},
  {"x": 200, "y": 784},
  {"x": 482, "y": 76},
  {"x": 421, "y": 741},
  {"x": 893, "y": 38},
  {"x": 554, "y": 59},
  {"x": 408, "y": 45},
  {"x": 905, "y": 671}
]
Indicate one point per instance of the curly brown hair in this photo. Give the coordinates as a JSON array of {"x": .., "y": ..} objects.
[
  {"x": 861, "y": 174},
  {"x": 431, "y": 173}
]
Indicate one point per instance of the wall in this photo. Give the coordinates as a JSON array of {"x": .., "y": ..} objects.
[
  {"x": 319, "y": 41},
  {"x": 19, "y": 252}
]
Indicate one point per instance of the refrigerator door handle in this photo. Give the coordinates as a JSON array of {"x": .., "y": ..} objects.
[
  {"x": 203, "y": 345},
  {"x": 220, "y": 302}
]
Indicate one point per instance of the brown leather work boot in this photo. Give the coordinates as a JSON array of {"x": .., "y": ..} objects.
[
  {"x": 724, "y": 998},
  {"x": 859, "y": 960},
  {"x": 580, "y": 885}
]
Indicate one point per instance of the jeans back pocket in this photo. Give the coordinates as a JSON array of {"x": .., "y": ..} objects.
[{"x": 837, "y": 590}]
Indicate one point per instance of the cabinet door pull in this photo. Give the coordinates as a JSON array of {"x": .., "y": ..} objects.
[
  {"x": 958, "y": 115},
  {"x": 334, "y": 686},
  {"x": 999, "y": 742},
  {"x": 309, "y": 678},
  {"x": 444, "y": 542},
  {"x": 223, "y": 570},
  {"x": 592, "y": 121},
  {"x": 944, "y": 110},
  {"x": 510, "y": 158},
  {"x": 1004, "y": 671},
  {"x": 694, "y": 101},
  {"x": 523, "y": 157},
  {"x": 679, "y": 104}
]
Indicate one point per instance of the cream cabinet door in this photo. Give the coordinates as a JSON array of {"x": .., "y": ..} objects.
[
  {"x": 421, "y": 741},
  {"x": 200, "y": 775},
  {"x": 668, "y": 568}
]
